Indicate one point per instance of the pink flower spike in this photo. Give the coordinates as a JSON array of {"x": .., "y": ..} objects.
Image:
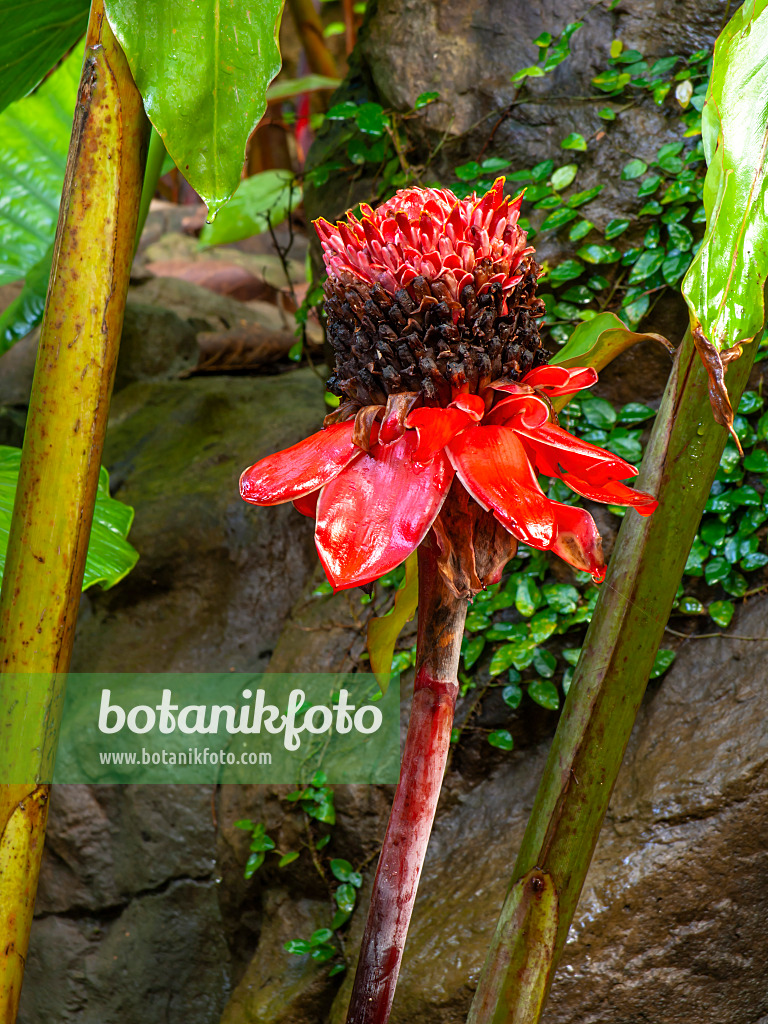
[
  {"x": 297, "y": 471},
  {"x": 371, "y": 517}
]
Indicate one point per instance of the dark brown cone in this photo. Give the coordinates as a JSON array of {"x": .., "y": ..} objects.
[{"x": 388, "y": 344}]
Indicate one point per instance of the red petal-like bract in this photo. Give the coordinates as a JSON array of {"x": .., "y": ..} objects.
[
  {"x": 555, "y": 452},
  {"x": 299, "y": 470},
  {"x": 372, "y": 516},
  {"x": 577, "y": 540},
  {"x": 493, "y": 466},
  {"x": 613, "y": 493}
]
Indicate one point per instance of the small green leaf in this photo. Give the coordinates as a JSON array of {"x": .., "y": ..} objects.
[
  {"x": 568, "y": 270},
  {"x": 534, "y": 71},
  {"x": 545, "y": 663},
  {"x": 288, "y": 858},
  {"x": 680, "y": 236},
  {"x": 320, "y": 937},
  {"x": 578, "y": 231},
  {"x": 371, "y": 119},
  {"x": 757, "y": 461},
  {"x": 342, "y": 111},
  {"x": 598, "y": 413},
  {"x": 607, "y": 114},
  {"x": 494, "y": 164},
  {"x": 574, "y": 141},
  {"x": 527, "y": 596},
  {"x": 322, "y": 843},
  {"x": 544, "y": 693},
  {"x": 673, "y": 267},
  {"x": 341, "y": 869},
  {"x": 635, "y": 412},
  {"x": 652, "y": 209},
  {"x": 502, "y": 739},
  {"x": 337, "y": 969},
  {"x": 690, "y": 606},
  {"x": 599, "y": 253},
  {"x": 512, "y": 695},
  {"x": 471, "y": 650},
  {"x": 579, "y": 198},
  {"x": 543, "y": 625},
  {"x": 615, "y": 227},
  {"x": 424, "y": 99},
  {"x": 558, "y": 219},
  {"x": 633, "y": 169},
  {"x": 345, "y": 897},
  {"x": 254, "y": 862},
  {"x": 542, "y": 171},
  {"x": 661, "y": 663},
  {"x": 384, "y": 630},
  {"x": 611, "y": 81},
  {"x": 563, "y": 176},
  {"x": 722, "y": 612},
  {"x": 561, "y": 596},
  {"x": 750, "y": 403},
  {"x": 469, "y": 171},
  {"x": 580, "y": 294},
  {"x": 647, "y": 264},
  {"x": 299, "y": 947}
]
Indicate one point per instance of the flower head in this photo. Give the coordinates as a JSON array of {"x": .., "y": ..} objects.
[
  {"x": 447, "y": 419},
  {"x": 430, "y": 294}
]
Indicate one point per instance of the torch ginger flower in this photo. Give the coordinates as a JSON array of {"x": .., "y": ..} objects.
[
  {"x": 432, "y": 314},
  {"x": 445, "y": 423}
]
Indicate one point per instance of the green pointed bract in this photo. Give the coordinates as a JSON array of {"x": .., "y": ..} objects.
[
  {"x": 724, "y": 285},
  {"x": 203, "y": 71}
]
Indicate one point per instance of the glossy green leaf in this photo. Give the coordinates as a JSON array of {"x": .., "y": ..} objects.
[
  {"x": 110, "y": 556},
  {"x": 34, "y": 139},
  {"x": 345, "y": 898},
  {"x": 661, "y": 663},
  {"x": 263, "y": 199},
  {"x": 534, "y": 71},
  {"x": 560, "y": 49},
  {"x": 633, "y": 169},
  {"x": 615, "y": 227},
  {"x": 722, "y": 612},
  {"x": 648, "y": 263},
  {"x": 580, "y": 230},
  {"x": 384, "y": 630},
  {"x": 501, "y": 738},
  {"x": 574, "y": 141},
  {"x": 424, "y": 99},
  {"x": 568, "y": 270},
  {"x": 512, "y": 695},
  {"x": 563, "y": 176},
  {"x": 599, "y": 253},
  {"x": 579, "y": 198},
  {"x": 471, "y": 649},
  {"x": 597, "y": 342},
  {"x": 558, "y": 218},
  {"x": 598, "y": 413},
  {"x": 724, "y": 286},
  {"x": 288, "y": 858},
  {"x": 203, "y": 70},
  {"x": 545, "y": 694},
  {"x": 34, "y": 36}
]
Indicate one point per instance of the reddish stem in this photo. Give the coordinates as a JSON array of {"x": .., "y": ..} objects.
[{"x": 441, "y": 627}]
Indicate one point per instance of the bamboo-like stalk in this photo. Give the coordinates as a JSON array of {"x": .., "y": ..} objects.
[
  {"x": 648, "y": 560},
  {"x": 60, "y": 463},
  {"x": 441, "y": 627},
  {"x": 310, "y": 29}
]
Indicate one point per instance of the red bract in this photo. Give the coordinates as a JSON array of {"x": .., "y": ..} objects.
[{"x": 373, "y": 508}]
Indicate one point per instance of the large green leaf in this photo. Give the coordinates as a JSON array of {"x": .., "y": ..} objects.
[
  {"x": 203, "y": 69},
  {"x": 34, "y": 139},
  {"x": 724, "y": 286},
  {"x": 34, "y": 36},
  {"x": 596, "y": 343},
  {"x": 262, "y": 200},
  {"x": 110, "y": 556}
]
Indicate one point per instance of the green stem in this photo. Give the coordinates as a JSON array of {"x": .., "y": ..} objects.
[
  {"x": 155, "y": 158},
  {"x": 629, "y": 620},
  {"x": 48, "y": 538}
]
